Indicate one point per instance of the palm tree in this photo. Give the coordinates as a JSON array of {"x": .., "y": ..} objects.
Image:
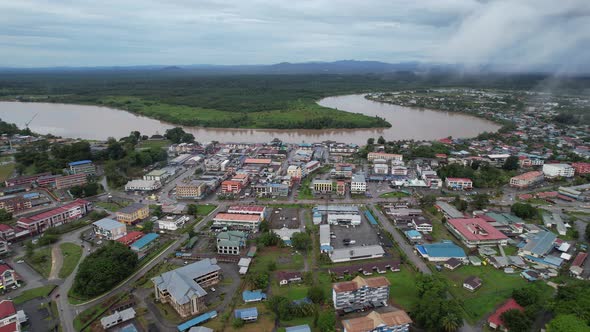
[{"x": 450, "y": 323}]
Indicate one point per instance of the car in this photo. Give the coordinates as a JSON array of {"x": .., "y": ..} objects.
[
  {"x": 213, "y": 289},
  {"x": 20, "y": 261}
]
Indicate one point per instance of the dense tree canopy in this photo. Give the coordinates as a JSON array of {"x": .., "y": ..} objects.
[
  {"x": 567, "y": 323},
  {"x": 524, "y": 210},
  {"x": 516, "y": 321},
  {"x": 483, "y": 176},
  {"x": 103, "y": 269},
  {"x": 301, "y": 241},
  {"x": 434, "y": 311}
]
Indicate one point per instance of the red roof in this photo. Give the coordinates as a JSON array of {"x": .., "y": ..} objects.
[
  {"x": 529, "y": 175},
  {"x": 6, "y": 309},
  {"x": 236, "y": 217},
  {"x": 4, "y": 268},
  {"x": 257, "y": 161},
  {"x": 4, "y": 228},
  {"x": 130, "y": 237},
  {"x": 547, "y": 194},
  {"x": 12, "y": 327},
  {"x": 53, "y": 212},
  {"x": 474, "y": 229},
  {"x": 579, "y": 260},
  {"x": 511, "y": 304}
]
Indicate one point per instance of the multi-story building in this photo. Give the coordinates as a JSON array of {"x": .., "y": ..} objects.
[
  {"x": 82, "y": 167},
  {"x": 341, "y": 188},
  {"x": 14, "y": 204},
  {"x": 392, "y": 321},
  {"x": 360, "y": 292},
  {"x": 40, "y": 222},
  {"x": 24, "y": 180},
  {"x": 7, "y": 232},
  {"x": 8, "y": 277},
  {"x": 172, "y": 223},
  {"x": 183, "y": 288},
  {"x": 231, "y": 242},
  {"x": 474, "y": 232},
  {"x": 381, "y": 169},
  {"x": 310, "y": 167},
  {"x": 143, "y": 185},
  {"x": 109, "y": 229},
  {"x": 159, "y": 175},
  {"x": 459, "y": 183},
  {"x": 231, "y": 187},
  {"x": 322, "y": 186},
  {"x": 385, "y": 156},
  {"x": 399, "y": 170},
  {"x": 248, "y": 209},
  {"x": 271, "y": 189},
  {"x": 358, "y": 184},
  {"x": 235, "y": 221},
  {"x": 47, "y": 181},
  {"x": 194, "y": 189},
  {"x": 133, "y": 213},
  {"x": 581, "y": 168},
  {"x": 527, "y": 179},
  {"x": 552, "y": 171},
  {"x": 294, "y": 171},
  {"x": 8, "y": 317},
  {"x": 68, "y": 181}
]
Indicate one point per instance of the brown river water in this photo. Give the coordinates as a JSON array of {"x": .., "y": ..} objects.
[{"x": 93, "y": 122}]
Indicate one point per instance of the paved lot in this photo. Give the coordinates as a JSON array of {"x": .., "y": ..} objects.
[
  {"x": 284, "y": 217},
  {"x": 229, "y": 285},
  {"x": 40, "y": 318},
  {"x": 363, "y": 234}
]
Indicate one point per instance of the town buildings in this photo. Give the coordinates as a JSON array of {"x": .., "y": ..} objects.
[
  {"x": 552, "y": 171},
  {"x": 15, "y": 204},
  {"x": 581, "y": 168},
  {"x": 230, "y": 242},
  {"x": 392, "y": 321},
  {"x": 143, "y": 185},
  {"x": 68, "y": 181},
  {"x": 527, "y": 179},
  {"x": 194, "y": 189},
  {"x": 8, "y": 277},
  {"x": 133, "y": 213},
  {"x": 322, "y": 186},
  {"x": 388, "y": 157},
  {"x": 360, "y": 292},
  {"x": 183, "y": 288},
  {"x": 40, "y": 222},
  {"x": 474, "y": 232},
  {"x": 82, "y": 167},
  {"x": 358, "y": 184},
  {"x": 459, "y": 183},
  {"x": 237, "y": 221},
  {"x": 172, "y": 223},
  {"x": 109, "y": 229}
]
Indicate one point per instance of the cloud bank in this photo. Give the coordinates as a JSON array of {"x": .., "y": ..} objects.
[{"x": 516, "y": 34}]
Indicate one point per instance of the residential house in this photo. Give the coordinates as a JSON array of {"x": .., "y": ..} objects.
[
  {"x": 495, "y": 320},
  {"x": 286, "y": 277},
  {"x": 392, "y": 321},
  {"x": 8, "y": 277},
  {"x": 253, "y": 296},
  {"x": 117, "y": 318},
  {"x": 472, "y": 283},
  {"x": 247, "y": 314},
  {"x": 453, "y": 263}
]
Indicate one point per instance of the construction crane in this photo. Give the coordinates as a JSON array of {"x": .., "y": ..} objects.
[{"x": 33, "y": 118}]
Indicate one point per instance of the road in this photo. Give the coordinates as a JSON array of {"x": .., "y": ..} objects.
[{"x": 404, "y": 246}]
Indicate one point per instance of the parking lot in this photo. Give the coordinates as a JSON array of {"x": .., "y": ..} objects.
[
  {"x": 364, "y": 234},
  {"x": 40, "y": 316},
  {"x": 288, "y": 217}
]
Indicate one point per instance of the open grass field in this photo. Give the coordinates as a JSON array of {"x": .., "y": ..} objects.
[
  {"x": 6, "y": 171},
  {"x": 34, "y": 293},
  {"x": 154, "y": 144},
  {"x": 71, "y": 256},
  {"x": 283, "y": 257},
  {"x": 497, "y": 287},
  {"x": 113, "y": 207},
  {"x": 205, "y": 209},
  {"x": 41, "y": 261},
  {"x": 403, "y": 292},
  {"x": 292, "y": 292},
  {"x": 394, "y": 194}
]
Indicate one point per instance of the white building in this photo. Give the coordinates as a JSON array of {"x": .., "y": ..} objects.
[
  {"x": 325, "y": 245},
  {"x": 143, "y": 185},
  {"x": 117, "y": 318},
  {"x": 558, "y": 170},
  {"x": 381, "y": 169},
  {"x": 172, "y": 223},
  {"x": 344, "y": 219},
  {"x": 356, "y": 253},
  {"x": 399, "y": 170},
  {"x": 358, "y": 184}
]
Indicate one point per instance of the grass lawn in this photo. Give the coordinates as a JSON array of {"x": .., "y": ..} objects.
[
  {"x": 157, "y": 144},
  {"x": 113, "y": 207},
  {"x": 169, "y": 313},
  {"x": 33, "y": 293},
  {"x": 395, "y": 194},
  {"x": 283, "y": 257},
  {"x": 71, "y": 256},
  {"x": 440, "y": 232},
  {"x": 497, "y": 287},
  {"x": 403, "y": 292},
  {"x": 41, "y": 261},
  {"x": 6, "y": 171},
  {"x": 510, "y": 250},
  {"x": 204, "y": 210},
  {"x": 292, "y": 292}
]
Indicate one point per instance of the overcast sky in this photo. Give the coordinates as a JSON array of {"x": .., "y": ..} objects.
[{"x": 521, "y": 33}]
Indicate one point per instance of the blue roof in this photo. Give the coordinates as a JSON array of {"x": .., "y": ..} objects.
[
  {"x": 549, "y": 260},
  {"x": 256, "y": 295},
  {"x": 80, "y": 162},
  {"x": 246, "y": 312},
  {"x": 31, "y": 195},
  {"x": 197, "y": 320},
  {"x": 541, "y": 243},
  {"x": 298, "y": 328},
  {"x": 108, "y": 224},
  {"x": 326, "y": 248},
  {"x": 412, "y": 233},
  {"x": 129, "y": 328},
  {"x": 442, "y": 249},
  {"x": 145, "y": 240},
  {"x": 370, "y": 217}
]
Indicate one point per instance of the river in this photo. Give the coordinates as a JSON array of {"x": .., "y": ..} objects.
[{"x": 93, "y": 122}]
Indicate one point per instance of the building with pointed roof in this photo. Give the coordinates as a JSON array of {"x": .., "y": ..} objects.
[
  {"x": 397, "y": 321},
  {"x": 360, "y": 292}
]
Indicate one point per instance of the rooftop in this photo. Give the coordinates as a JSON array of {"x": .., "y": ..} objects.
[
  {"x": 476, "y": 229},
  {"x": 360, "y": 282},
  {"x": 237, "y": 217},
  {"x": 108, "y": 224},
  {"x": 181, "y": 284},
  {"x": 132, "y": 208},
  {"x": 374, "y": 320},
  {"x": 145, "y": 240},
  {"x": 496, "y": 317},
  {"x": 80, "y": 162}
]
